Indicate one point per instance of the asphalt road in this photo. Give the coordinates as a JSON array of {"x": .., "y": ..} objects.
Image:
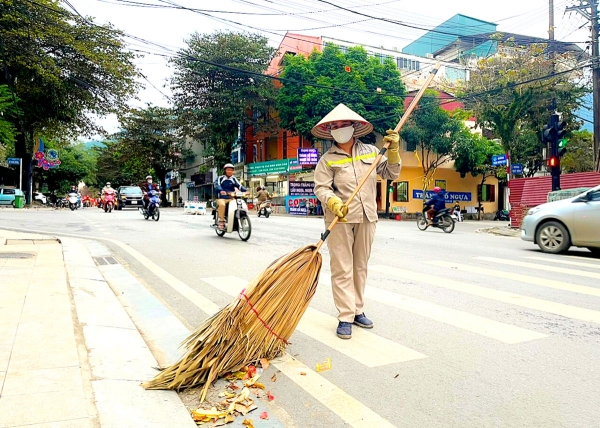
[{"x": 471, "y": 329}]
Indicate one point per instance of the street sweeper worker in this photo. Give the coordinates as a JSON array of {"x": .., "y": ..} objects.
[
  {"x": 337, "y": 174},
  {"x": 225, "y": 185}
]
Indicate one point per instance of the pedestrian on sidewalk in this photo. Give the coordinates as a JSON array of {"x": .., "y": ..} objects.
[{"x": 337, "y": 175}]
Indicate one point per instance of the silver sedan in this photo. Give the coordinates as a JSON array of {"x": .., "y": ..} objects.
[{"x": 558, "y": 225}]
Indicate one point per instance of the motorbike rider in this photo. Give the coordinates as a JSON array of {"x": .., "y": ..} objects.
[
  {"x": 107, "y": 189},
  {"x": 262, "y": 196},
  {"x": 225, "y": 185},
  {"x": 435, "y": 204},
  {"x": 146, "y": 188}
]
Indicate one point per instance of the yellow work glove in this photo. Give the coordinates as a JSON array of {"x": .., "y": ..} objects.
[
  {"x": 393, "y": 154},
  {"x": 336, "y": 206}
]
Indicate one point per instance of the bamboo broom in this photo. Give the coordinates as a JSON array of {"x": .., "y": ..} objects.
[{"x": 260, "y": 321}]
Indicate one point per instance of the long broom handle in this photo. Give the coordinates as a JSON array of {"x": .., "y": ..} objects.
[{"x": 401, "y": 123}]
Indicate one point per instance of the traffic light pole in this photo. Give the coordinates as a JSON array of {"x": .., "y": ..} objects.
[{"x": 554, "y": 169}]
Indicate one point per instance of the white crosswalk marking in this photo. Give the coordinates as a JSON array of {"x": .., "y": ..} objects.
[
  {"x": 350, "y": 410},
  {"x": 561, "y": 260},
  {"x": 533, "y": 280},
  {"x": 475, "y": 324},
  {"x": 365, "y": 347},
  {"x": 489, "y": 293},
  {"x": 547, "y": 268}
]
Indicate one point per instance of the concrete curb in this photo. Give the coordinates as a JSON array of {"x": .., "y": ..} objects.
[
  {"x": 501, "y": 231},
  {"x": 119, "y": 358}
]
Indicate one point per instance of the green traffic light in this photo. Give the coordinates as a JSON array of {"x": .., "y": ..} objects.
[{"x": 562, "y": 143}]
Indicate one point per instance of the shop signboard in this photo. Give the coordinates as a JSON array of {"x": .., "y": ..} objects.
[
  {"x": 308, "y": 156},
  {"x": 450, "y": 196},
  {"x": 294, "y": 166},
  {"x": 298, "y": 205},
  {"x": 301, "y": 188},
  {"x": 273, "y": 167}
]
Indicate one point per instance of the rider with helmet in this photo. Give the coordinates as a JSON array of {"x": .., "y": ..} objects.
[
  {"x": 225, "y": 185},
  {"x": 262, "y": 195},
  {"x": 435, "y": 204},
  {"x": 146, "y": 188},
  {"x": 107, "y": 189}
]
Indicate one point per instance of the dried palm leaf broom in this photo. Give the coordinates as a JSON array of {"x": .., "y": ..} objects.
[{"x": 260, "y": 321}]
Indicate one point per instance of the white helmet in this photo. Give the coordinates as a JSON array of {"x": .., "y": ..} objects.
[
  {"x": 228, "y": 165},
  {"x": 108, "y": 183}
]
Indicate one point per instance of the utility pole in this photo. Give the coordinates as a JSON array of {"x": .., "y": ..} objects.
[
  {"x": 589, "y": 10},
  {"x": 551, "y": 27}
]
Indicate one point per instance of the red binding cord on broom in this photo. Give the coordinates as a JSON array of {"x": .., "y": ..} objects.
[{"x": 243, "y": 294}]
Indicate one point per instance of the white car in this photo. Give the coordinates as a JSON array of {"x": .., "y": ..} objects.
[
  {"x": 558, "y": 225},
  {"x": 40, "y": 197}
]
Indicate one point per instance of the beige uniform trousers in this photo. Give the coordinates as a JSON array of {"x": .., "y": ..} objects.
[
  {"x": 221, "y": 205},
  {"x": 349, "y": 251}
]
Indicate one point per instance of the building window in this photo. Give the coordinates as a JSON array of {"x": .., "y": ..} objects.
[
  {"x": 344, "y": 49},
  {"x": 441, "y": 184},
  {"x": 487, "y": 193},
  {"x": 285, "y": 145},
  {"x": 400, "y": 193}
]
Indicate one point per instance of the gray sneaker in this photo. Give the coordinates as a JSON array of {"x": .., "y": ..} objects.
[
  {"x": 344, "y": 330},
  {"x": 362, "y": 321}
]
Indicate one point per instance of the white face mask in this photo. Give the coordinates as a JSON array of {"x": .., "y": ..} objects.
[{"x": 343, "y": 135}]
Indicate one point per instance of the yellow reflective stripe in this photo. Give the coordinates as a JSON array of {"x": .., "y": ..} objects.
[{"x": 350, "y": 160}]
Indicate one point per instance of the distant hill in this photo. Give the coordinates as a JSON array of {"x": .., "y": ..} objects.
[{"x": 91, "y": 144}]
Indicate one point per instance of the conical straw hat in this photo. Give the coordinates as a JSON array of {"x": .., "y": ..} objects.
[{"x": 341, "y": 112}]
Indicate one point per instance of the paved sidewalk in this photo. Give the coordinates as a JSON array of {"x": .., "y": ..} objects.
[{"x": 70, "y": 356}]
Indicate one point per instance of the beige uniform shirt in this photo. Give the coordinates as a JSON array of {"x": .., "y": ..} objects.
[
  {"x": 338, "y": 174},
  {"x": 262, "y": 196}
]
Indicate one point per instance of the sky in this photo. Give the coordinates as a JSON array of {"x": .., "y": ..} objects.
[{"x": 170, "y": 27}]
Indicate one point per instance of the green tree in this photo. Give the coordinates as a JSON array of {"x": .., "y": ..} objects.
[
  {"x": 371, "y": 88},
  {"x": 510, "y": 94},
  {"x": 211, "y": 97},
  {"x": 120, "y": 167},
  {"x": 8, "y": 114},
  {"x": 434, "y": 134},
  {"x": 580, "y": 153},
  {"x": 474, "y": 156},
  {"x": 152, "y": 138},
  {"x": 63, "y": 68}
]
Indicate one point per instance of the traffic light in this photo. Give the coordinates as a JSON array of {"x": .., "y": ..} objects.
[
  {"x": 561, "y": 141},
  {"x": 548, "y": 134},
  {"x": 554, "y": 162}
]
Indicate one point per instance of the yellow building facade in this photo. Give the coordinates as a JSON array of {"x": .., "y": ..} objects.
[{"x": 407, "y": 194}]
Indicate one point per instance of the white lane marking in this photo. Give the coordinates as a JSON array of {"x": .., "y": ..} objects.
[
  {"x": 365, "y": 347},
  {"x": 557, "y": 269},
  {"x": 473, "y": 323},
  {"x": 350, "y": 410},
  {"x": 489, "y": 293},
  {"x": 564, "y": 262},
  {"x": 533, "y": 280}
]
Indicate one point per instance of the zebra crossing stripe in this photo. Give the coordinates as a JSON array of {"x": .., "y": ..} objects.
[
  {"x": 565, "y": 262},
  {"x": 350, "y": 410},
  {"x": 547, "y": 268},
  {"x": 365, "y": 347},
  {"x": 541, "y": 305},
  {"x": 473, "y": 323},
  {"x": 533, "y": 280}
]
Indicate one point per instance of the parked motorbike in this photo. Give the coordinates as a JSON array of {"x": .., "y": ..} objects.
[
  {"x": 74, "y": 201},
  {"x": 153, "y": 204},
  {"x": 236, "y": 218},
  {"x": 109, "y": 202},
  {"x": 265, "y": 210},
  {"x": 502, "y": 215},
  {"x": 442, "y": 220}
]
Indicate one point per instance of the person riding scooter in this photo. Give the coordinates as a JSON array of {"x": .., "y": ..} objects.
[
  {"x": 107, "y": 190},
  {"x": 225, "y": 185},
  {"x": 146, "y": 188},
  {"x": 435, "y": 204},
  {"x": 262, "y": 196}
]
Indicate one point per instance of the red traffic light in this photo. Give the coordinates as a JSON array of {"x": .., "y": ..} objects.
[{"x": 553, "y": 161}]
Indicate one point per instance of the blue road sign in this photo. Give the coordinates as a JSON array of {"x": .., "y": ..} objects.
[
  {"x": 499, "y": 160},
  {"x": 516, "y": 169},
  {"x": 14, "y": 161}
]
